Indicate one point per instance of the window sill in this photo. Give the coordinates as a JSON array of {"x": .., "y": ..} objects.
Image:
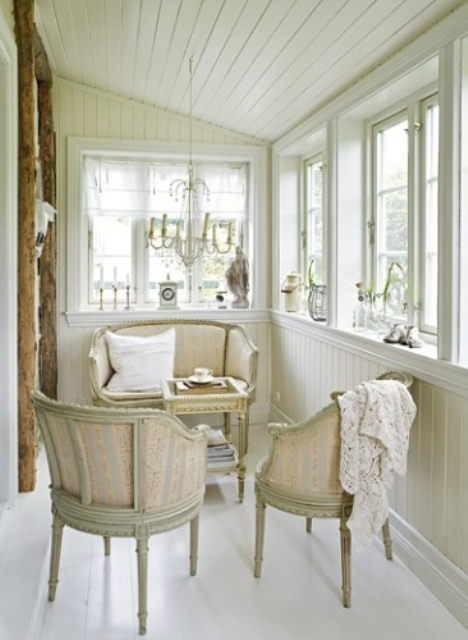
[
  {"x": 96, "y": 318},
  {"x": 422, "y": 363}
]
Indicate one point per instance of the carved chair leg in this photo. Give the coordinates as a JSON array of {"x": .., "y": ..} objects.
[
  {"x": 387, "y": 539},
  {"x": 194, "y": 528},
  {"x": 309, "y": 525},
  {"x": 246, "y": 431},
  {"x": 142, "y": 557},
  {"x": 107, "y": 545},
  {"x": 345, "y": 537},
  {"x": 259, "y": 536},
  {"x": 57, "y": 533}
]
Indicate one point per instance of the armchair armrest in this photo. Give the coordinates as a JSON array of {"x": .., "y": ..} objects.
[{"x": 242, "y": 359}]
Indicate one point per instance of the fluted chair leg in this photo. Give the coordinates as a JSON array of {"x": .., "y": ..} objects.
[
  {"x": 142, "y": 556},
  {"x": 309, "y": 525},
  {"x": 107, "y": 545},
  {"x": 56, "y": 547},
  {"x": 345, "y": 537},
  {"x": 259, "y": 536},
  {"x": 387, "y": 539},
  {"x": 194, "y": 528}
]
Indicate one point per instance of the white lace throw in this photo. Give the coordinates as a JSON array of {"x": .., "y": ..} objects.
[{"x": 376, "y": 418}]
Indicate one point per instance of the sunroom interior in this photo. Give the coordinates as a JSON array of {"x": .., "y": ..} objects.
[{"x": 333, "y": 235}]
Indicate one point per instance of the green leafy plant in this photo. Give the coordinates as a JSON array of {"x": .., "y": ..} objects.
[
  {"x": 310, "y": 273},
  {"x": 390, "y": 278}
]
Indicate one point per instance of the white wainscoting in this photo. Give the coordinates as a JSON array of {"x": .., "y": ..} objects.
[{"x": 430, "y": 505}]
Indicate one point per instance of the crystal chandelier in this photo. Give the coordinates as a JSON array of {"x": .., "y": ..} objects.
[{"x": 190, "y": 239}]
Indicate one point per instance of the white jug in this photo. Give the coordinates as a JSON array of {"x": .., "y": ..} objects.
[{"x": 291, "y": 290}]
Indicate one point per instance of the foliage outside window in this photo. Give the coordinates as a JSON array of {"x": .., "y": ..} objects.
[{"x": 121, "y": 197}]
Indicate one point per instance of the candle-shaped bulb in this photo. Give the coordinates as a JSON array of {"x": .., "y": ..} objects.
[
  {"x": 205, "y": 225},
  {"x": 128, "y": 280},
  {"x": 115, "y": 277},
  {"x": 101, "y": 286}
]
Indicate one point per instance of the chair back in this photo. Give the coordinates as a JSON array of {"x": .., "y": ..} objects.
[
  {"x": 305, "y": 458},
  {"x": 142, "y": 460}
]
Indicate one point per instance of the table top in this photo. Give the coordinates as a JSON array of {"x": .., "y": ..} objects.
[{"x": 235, "y": 399}]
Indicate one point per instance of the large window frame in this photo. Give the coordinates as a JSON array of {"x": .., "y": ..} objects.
[
  {"x": 418, "y": 306},
  {"x": 77, "y": 228},
  {"x": 314, "y": 238}
]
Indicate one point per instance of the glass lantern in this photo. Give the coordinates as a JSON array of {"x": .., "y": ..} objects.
[{"x": 318, "y": 302}]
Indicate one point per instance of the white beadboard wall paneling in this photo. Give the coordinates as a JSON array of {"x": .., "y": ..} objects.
[{"x": 432, "y": 496}]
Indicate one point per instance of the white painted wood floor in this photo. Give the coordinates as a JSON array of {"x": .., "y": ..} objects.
[{"x": 298, "y": 596}]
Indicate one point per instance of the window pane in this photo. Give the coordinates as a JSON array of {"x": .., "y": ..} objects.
[
  {"x": 430, "y": 215},
  {"x": 315, "y": 248},
  {"x": 111, "y": 256},
  {"x": 391, "y": 219}
]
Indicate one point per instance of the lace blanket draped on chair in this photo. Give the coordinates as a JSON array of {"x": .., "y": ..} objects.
[{"x": 376, "y": 418}]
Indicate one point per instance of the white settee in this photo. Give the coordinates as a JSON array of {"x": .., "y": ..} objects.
[{"x": 225, "y": 348}]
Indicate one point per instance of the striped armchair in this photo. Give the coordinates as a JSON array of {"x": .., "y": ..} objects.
[
  {"x": 301, "y": 475},
  {"x": 118, "y": 472}
]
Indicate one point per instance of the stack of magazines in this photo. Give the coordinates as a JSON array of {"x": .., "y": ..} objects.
[{"x": 220, "y": 452}]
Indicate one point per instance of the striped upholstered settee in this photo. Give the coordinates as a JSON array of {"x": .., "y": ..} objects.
[{"x": 225, "y": 348}]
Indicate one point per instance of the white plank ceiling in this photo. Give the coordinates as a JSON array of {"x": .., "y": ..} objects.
[{"x": 260, "y": 66}]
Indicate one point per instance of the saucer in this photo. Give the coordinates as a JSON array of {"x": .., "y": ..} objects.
[{"x": 203, "y": 381}]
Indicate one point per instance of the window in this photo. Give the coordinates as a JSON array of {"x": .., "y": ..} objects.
[
  {"x": 314, "y": 241},
  {"x": 124, "y": 198},
  {"x": 403, "y": 225}
]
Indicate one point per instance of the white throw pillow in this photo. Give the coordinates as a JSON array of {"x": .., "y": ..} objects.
[{"x": 140, "y": 362}]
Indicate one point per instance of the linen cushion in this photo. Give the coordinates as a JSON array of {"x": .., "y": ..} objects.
[{"x": 140, "y": 362}]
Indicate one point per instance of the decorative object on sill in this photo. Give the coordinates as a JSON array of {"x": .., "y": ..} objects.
[
  {"x": 220, "y": 300},
  {"x": 168, "y": 294},
  {"x": 412, "y": 339},
  {"x": 237, "y": 278},
  {"x": 396, "y": 334},
  {"x": 190, "y": 241},
  {"x": 394, "y": 292},
  {"x": 290, "y": 287},
  {"x": 367, "y": 316},
  {"x": 318, "y": 302}
]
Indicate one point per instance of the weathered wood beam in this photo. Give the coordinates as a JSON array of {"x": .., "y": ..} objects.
[
  {"x": 24, "y": 32},
  {"x": 48, "y": 260},
  {"x": 41, "y": 61}
]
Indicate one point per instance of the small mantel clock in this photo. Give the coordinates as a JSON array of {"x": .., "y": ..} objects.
[{"x": 168, "y": 295}]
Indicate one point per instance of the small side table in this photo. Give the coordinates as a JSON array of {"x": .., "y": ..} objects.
[{"x": 233, "y": 400}]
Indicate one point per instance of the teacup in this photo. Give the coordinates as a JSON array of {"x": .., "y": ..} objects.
[{"x": 202, "y": 373}]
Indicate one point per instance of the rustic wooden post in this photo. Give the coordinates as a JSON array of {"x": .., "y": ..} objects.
[
  {"x": 48, "y": 259},
  {"x": 24, "y": 31}
]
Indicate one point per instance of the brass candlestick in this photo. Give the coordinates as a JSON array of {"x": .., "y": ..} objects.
[
  {"x": 115, "y": 297},
  {"x": 127, "y": 296},
  {"x": 101, "y": 299}
]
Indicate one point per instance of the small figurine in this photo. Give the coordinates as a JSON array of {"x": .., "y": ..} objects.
[{"x": 237, "y": 277}]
